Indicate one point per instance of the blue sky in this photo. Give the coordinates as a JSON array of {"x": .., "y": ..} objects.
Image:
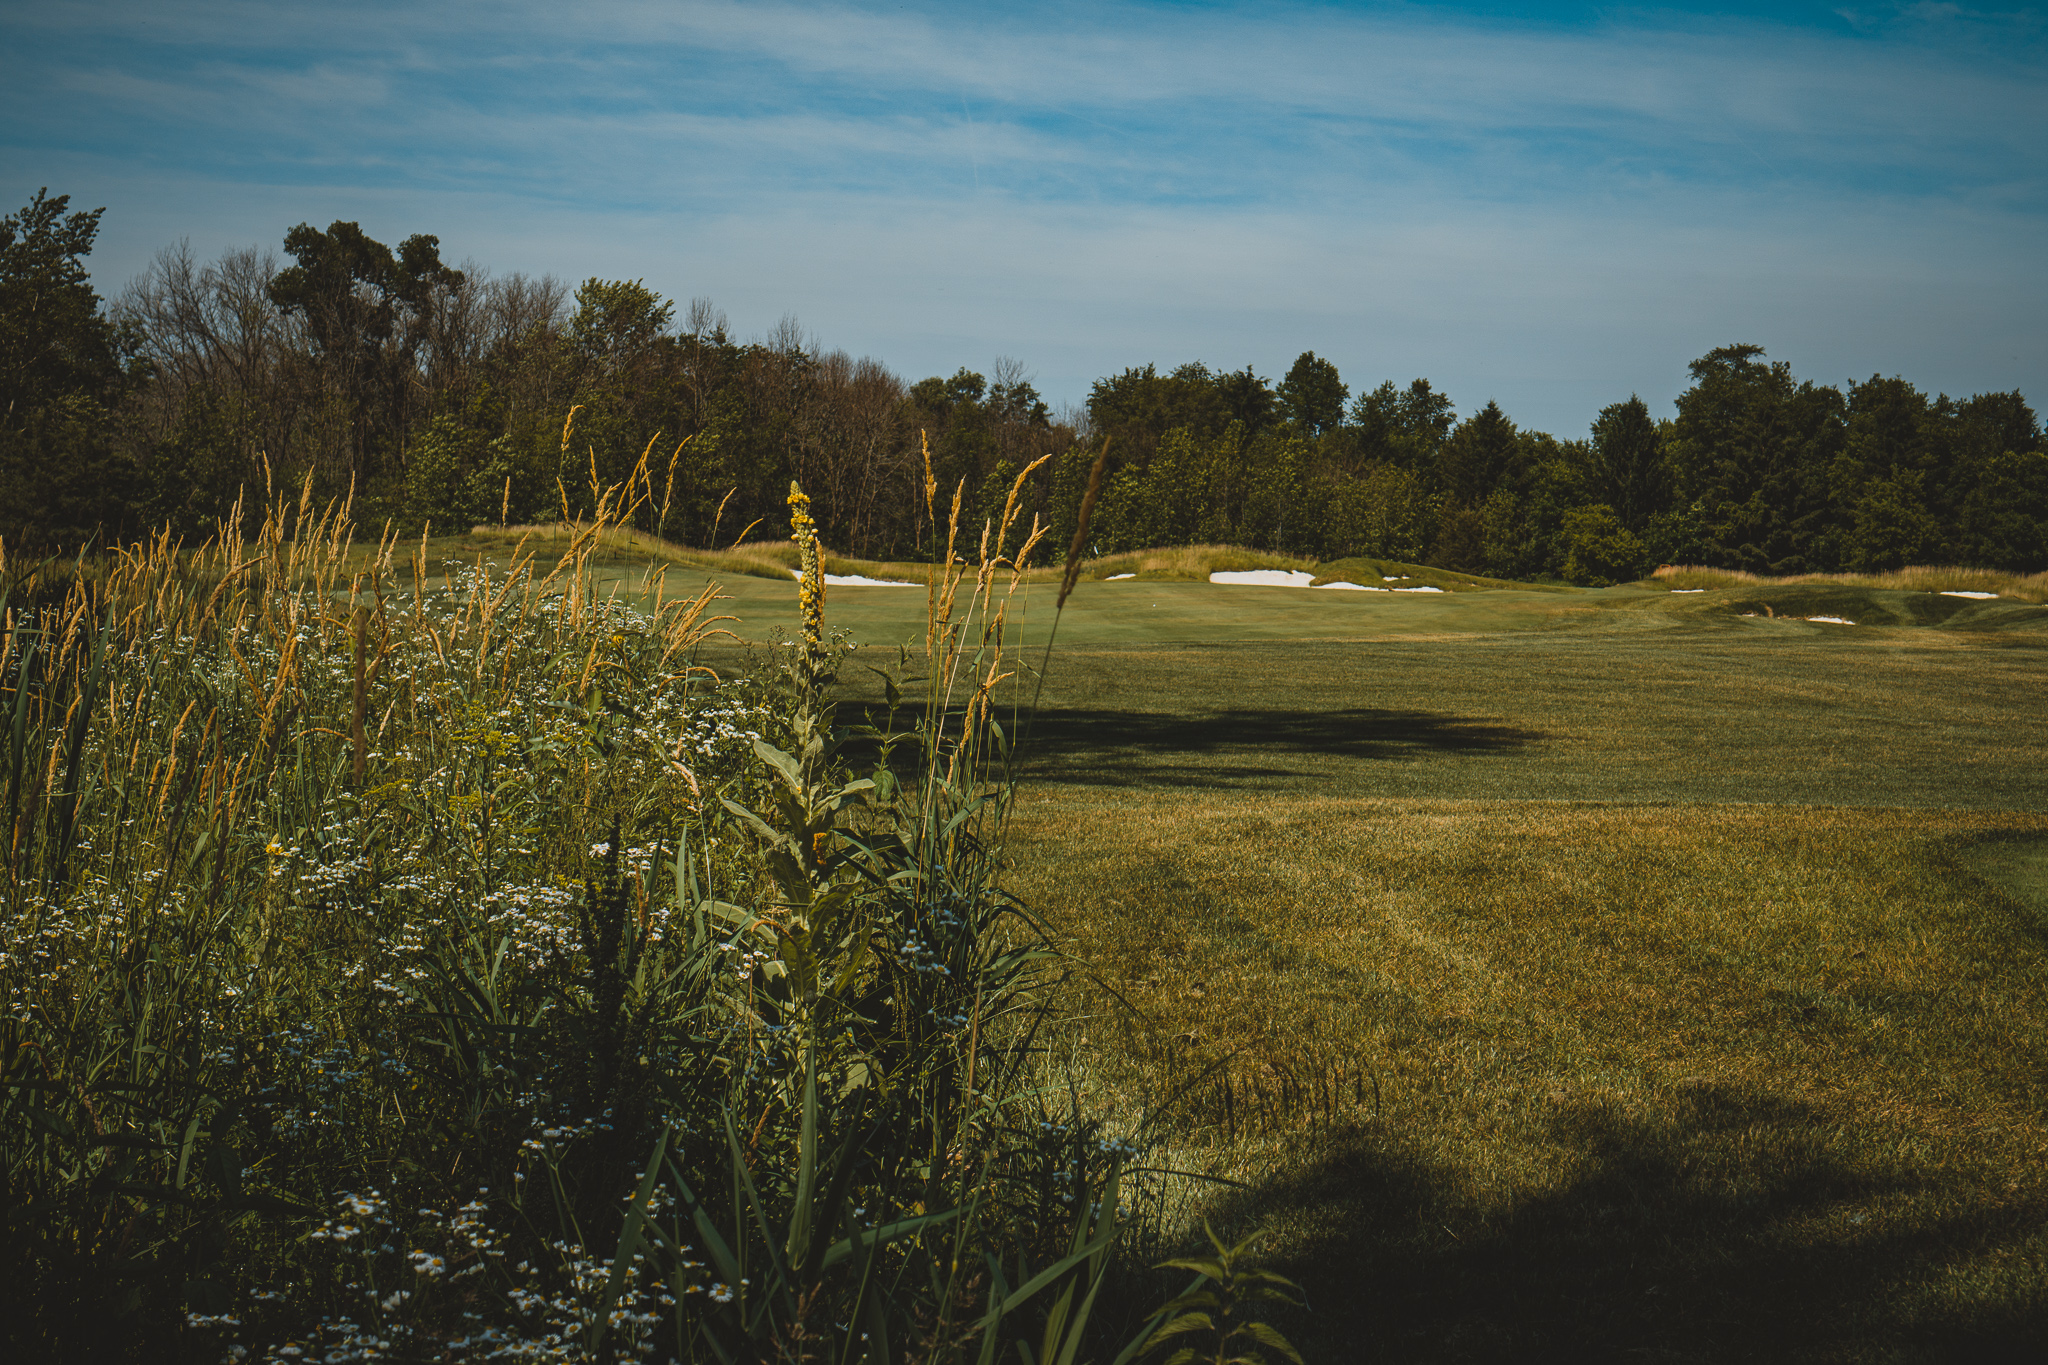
[{"x": 1549, "y": 205}]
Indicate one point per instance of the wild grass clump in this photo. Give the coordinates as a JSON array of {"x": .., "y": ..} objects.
[
  {"x": 1915, "y": 578},
  {"x": 462, "y": 970}
]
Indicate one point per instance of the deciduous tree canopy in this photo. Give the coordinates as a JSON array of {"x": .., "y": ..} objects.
[{"x": 438, "y": 395}]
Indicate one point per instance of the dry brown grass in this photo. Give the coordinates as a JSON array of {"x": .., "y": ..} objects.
[
  {"x": 1914, "y": 578},
  {"x": 756, "y": 559}
]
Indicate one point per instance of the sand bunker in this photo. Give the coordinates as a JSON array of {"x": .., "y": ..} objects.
[
  {"x": 1115, "y": 576},
  {"x": 1295, "y": 578},
  {"x": 1688, "y": 590},
  {"x": 1831, "y": 620},
  {"x": 1263, "y": 578},
  {"x": 854, "y": 580},
  {"x": 1979, "y": 596}
]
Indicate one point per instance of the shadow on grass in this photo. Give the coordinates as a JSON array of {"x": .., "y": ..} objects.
[
  {"x": 1122, "y": 748},
  {"x": 1137, "y": 748},
  {"x": 1729, "y": 1229}
]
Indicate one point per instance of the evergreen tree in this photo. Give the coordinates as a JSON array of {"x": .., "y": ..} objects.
[
  {"x": 64, "y": 481},
  {"x": 1478, "y": 455},
  {"x": 1625, "y": 464}
]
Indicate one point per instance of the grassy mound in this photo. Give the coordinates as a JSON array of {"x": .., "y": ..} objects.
[
  {"x": 777, "y": 559},
  {"x": 1189, "y": 563},
  {"x": 1859, "y": 604},
  {"x": 1390, "y": 573},
  {"x": 1920, "y": 578}
]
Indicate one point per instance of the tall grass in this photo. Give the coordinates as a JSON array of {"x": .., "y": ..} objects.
[{"x": 445, "y": 964}]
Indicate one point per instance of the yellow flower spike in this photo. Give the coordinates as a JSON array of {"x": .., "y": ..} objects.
[{"x": 810, "y": 594}]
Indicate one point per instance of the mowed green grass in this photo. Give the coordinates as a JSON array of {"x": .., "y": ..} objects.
[
  {"x": 1631, "y": 980},
  {"x": 1588, "y": 976},
  {"x": 1516, "y": 1081}
]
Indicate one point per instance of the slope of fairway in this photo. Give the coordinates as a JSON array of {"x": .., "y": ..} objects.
[
  {"x": 1141, "y": 612},
  {"x": 1549, "y": 1081},
  {"x": 1619, "y": 975}
]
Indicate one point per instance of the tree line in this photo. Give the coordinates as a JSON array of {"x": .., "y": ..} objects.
[{"x": 439, "y": 397}]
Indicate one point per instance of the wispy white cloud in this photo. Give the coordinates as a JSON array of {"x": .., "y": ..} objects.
[{"x": 1548, "y": 213}]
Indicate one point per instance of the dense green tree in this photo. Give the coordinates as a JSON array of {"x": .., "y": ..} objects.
[
  {"x": 616, "y": 326},
  {"x": 367, "y": 311},
  {"x": 191, "y": 482},
  {"x": 1478, "y": 455},
  {"x": 1248, "y": 399},
  {"x": 981, "y": 435},
  {"x": 1461, "y": 539},
  {"x": 1752, "y": 455},
  {"x": 64, "y": 480},
  {"x": 1403, "y": 427},
  {"x": 1890, "y": 524},
  {"x": 2002, "y": 521},
  {"x": 456, "y": 477},
  {"x": 1382, "y": 512},
  {"x": 1136, "y": 408},
  {"x": 1597, "y": 549},
  {"x": 1625, "y": 463},
  {"x": 1544, "y": 479},
  {"x": 56, "y": 343},
  {"x": 1312, "y": 395}
]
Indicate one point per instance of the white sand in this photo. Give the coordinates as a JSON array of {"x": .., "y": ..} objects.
[
  {"x": 1263, "y": 578},
  {"x": 854, "y": 580},
  {"x": 1980, "y": 596},
  {"x": 1115, "y": 576},
  {"x": 1688, "y": 590},
  {"x": 1415, "y": 589},
  {"x": 1355, "y": 587},
  {"x": 1831, "y": 620}
]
